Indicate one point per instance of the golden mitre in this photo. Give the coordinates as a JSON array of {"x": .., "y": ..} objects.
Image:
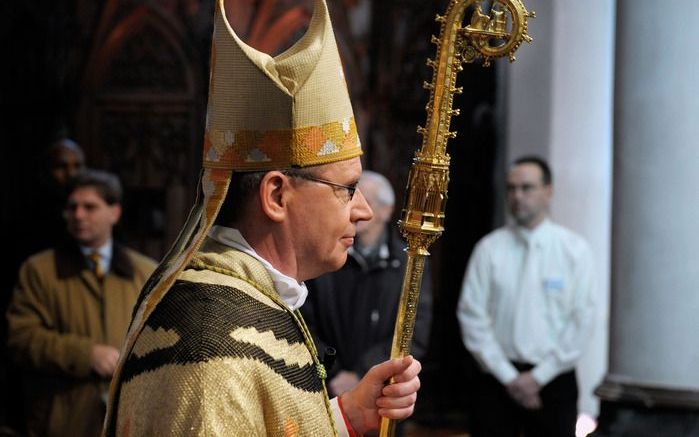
[{"x": 271, "y": 113}]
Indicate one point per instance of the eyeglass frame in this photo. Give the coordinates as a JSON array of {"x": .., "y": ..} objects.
[{"x": 351, "y": 189}]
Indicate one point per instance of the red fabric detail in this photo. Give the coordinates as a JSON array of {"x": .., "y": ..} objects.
[{"x": 352, "y": 432}]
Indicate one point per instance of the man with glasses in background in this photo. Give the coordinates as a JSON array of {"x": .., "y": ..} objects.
[{"x": 526, "y": 310}]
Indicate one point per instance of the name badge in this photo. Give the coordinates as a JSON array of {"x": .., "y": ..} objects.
[{"x": 554, "y": 284}]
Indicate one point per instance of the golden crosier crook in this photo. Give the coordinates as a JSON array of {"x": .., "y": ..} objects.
[{"x": 496, "y": 33}]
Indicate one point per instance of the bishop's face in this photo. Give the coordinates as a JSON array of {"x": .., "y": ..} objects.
[{"x": 324, "y": 219}]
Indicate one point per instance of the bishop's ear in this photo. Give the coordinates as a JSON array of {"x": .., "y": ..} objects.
[{"x": 274, "y": 189}]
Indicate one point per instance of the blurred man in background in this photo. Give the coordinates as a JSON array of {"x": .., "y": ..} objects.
[
  {"x": 526, "y": 310},
  {"x": 70, "y": 311}
]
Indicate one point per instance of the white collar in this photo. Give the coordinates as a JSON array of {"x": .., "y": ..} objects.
[
  {"x": 104, "y": 250},
  {"x": 534, "y": 236},
  {"x": 292, "y": 292}
]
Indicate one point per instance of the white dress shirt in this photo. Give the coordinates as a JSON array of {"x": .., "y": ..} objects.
[{"x": 528, "y": 296}]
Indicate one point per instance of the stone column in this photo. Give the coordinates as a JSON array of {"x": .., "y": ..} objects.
[
  {"x": 652, "y": 385},
  {"x": 559, "y": 99}
]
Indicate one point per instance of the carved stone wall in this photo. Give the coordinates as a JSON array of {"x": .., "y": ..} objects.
[{"x": 140, "y": 117}]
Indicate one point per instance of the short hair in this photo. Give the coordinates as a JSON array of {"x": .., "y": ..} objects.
[
  {"x": 106, "y": 184},
  {"x": 241, "y": 189},
  {"x": 546, "y": 174},
  {"x": 65, "y": 143},
  {"x": 384, "y": 190}
]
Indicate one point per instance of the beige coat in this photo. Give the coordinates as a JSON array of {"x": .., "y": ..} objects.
[{"x": 58, "y": 311}]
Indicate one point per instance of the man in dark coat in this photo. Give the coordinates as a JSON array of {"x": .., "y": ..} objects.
[{"x": 353, "y": 310}]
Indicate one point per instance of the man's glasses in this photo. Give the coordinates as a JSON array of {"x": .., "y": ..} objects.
[
  {"x": 524, "y": 188},
  {"x": 350, "y": 189}
]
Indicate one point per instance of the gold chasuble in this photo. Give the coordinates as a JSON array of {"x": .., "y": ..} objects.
[{"x": 222, "y": 355}]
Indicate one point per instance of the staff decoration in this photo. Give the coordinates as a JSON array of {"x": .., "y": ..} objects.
[{"x": 494, "y": 34}]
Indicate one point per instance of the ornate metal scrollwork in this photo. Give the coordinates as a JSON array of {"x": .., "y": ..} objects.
[{"x": 495, "y": 34}]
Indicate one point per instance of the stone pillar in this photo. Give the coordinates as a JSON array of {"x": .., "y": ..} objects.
[
  {"x": 559, "y": 100},
  {"x": 652, "y": 385}
]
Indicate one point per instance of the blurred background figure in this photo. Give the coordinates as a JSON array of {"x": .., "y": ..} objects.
[
  {"x": 353, "y": 310},
  {"x": 71, "y": 308},
  {"x": 526, "y": 309},
  {"x": 39, "y": 220},
  {"x": 67, "y": 160}
]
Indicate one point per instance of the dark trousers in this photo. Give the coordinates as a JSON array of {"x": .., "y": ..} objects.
[{"x": 496, "y": 414}]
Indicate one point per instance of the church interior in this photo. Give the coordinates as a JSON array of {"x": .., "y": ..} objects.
[{"x": 606, "y": 92}]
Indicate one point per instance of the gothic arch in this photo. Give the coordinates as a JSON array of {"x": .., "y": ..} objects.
[{"x": 141, "y": 118}]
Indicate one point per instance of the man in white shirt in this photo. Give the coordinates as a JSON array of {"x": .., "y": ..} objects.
[{"x": 525, "y": 311}]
